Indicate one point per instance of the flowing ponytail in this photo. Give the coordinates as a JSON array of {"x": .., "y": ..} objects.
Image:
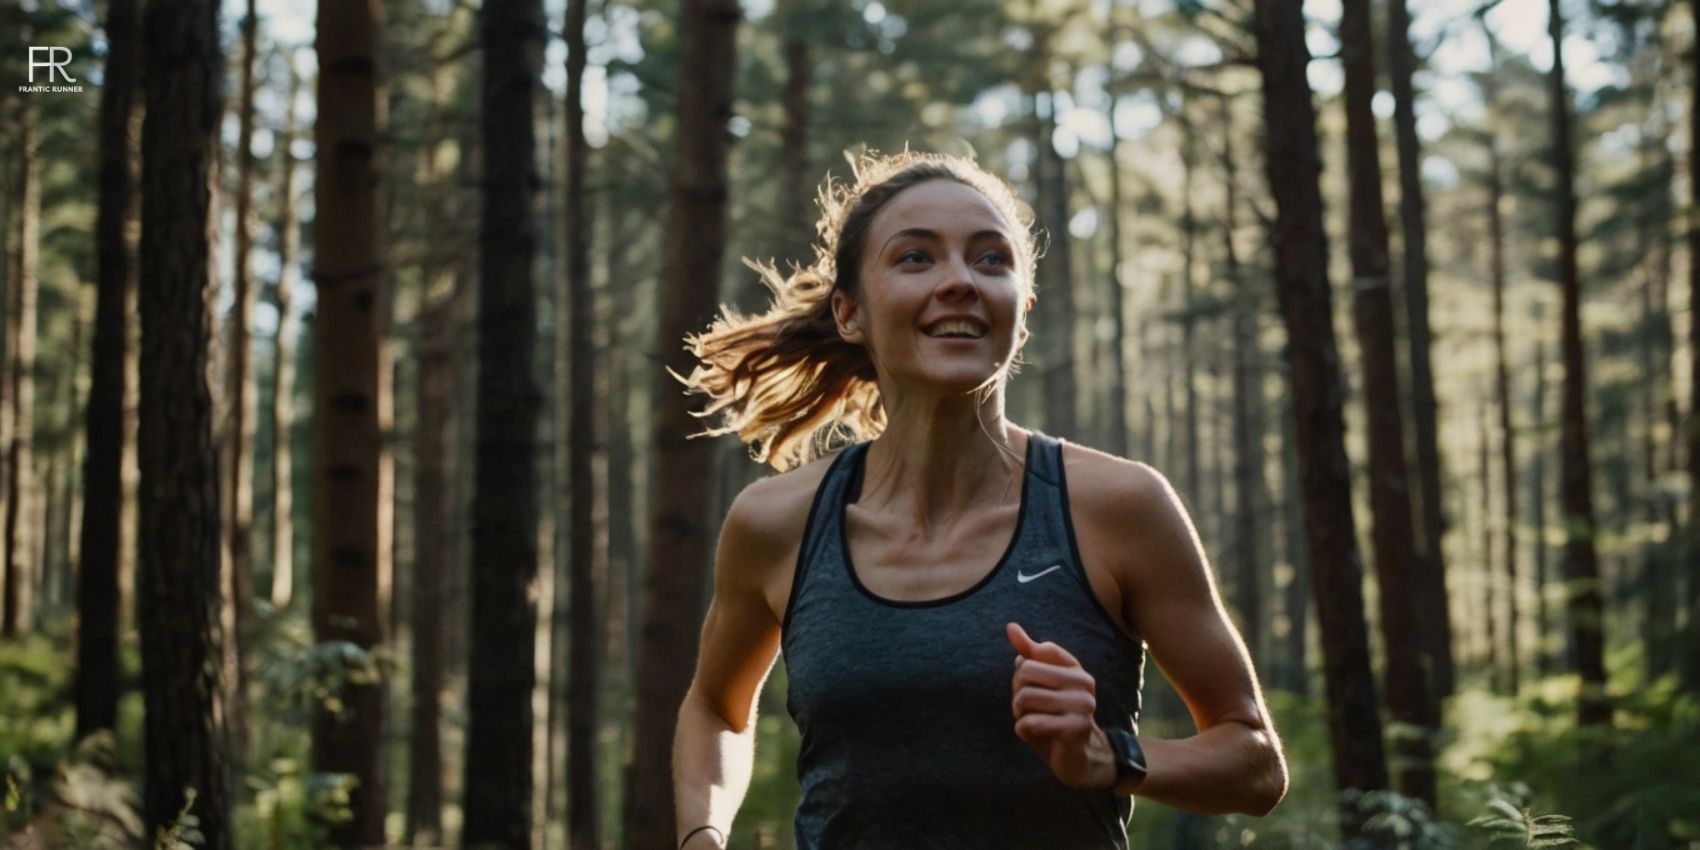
[{"x": 784, "y": 381}]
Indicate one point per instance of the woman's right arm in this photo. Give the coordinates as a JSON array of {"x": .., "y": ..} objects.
[{"x": 714, "y": 742}]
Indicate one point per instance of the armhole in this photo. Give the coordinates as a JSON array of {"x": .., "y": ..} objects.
[
  {"x": 1132, "y": 644},
  {"x": 800, "y": 569}
]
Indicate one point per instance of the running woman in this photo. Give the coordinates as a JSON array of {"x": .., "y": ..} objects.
[{"x": 963, "y": 604}]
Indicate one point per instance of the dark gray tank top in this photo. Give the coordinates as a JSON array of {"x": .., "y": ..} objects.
[{"x": 908, "y": 740}]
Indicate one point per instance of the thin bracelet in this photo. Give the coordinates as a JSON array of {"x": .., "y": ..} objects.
[{"x": 700, "y": 829}]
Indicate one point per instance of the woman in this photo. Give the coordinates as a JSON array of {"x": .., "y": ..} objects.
[{"x": 963, "y": 604}]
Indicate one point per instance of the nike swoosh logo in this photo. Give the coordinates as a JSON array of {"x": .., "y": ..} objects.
[{"x": 1024, "y": 578}]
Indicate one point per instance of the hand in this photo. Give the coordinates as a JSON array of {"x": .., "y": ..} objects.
[{"x": 1053, "y": 699}]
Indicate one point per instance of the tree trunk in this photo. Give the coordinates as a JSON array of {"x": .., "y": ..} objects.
[
  {"x": 1490, "y": 601},
  {"x": 20, "y": 531},
  {"x": 1301, "y": 253},
  {"x": 1538, "y": 501},
  {"x": 1585, "y": 606},
  {"x": 98, "y": 669},
  {"x": 283, "y": 361},
  {"x": 1502, "y": 383},
  {"x": 238, "y": 460},
  {"x": 1055, "y": 307},
  {"x": 794, "y": 134},
  {"x": 1297, "y": 597},
  {"x": 1430, "y": 579},
  {"x": 586, "y": 560},
  {"x": 1409, "y": 697},
  {"x": 1249, "y": 486},
  {"x": 178, "y": 585},
  {"x": 1118, "y": 442},
  {"x": 348, "y": 272},
  {"x": 432, "y": 515},
  {"x": 504, "y": 502},
  {"x": 1692, "y": 667},
  {"x": 680, "y": 535},
  {"x": 1189, "y": 357}
]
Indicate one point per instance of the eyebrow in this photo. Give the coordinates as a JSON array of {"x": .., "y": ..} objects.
[{"x": 924, "y": 233}]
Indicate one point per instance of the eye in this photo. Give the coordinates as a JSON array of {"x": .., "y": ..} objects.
[
  {"x": 914, "y": 255},
  {"x": 997, "y": 257}
]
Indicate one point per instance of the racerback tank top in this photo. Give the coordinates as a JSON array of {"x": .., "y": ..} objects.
[{"x": 908, "y": 740}]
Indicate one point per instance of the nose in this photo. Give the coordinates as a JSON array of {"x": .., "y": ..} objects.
[{"x": 959, "y": 284}]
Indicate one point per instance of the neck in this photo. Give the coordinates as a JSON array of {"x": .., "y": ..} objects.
[{"x": 942, "y": 458}]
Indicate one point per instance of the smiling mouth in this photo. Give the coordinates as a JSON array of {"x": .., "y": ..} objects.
[{"x": 956, "y": 329}]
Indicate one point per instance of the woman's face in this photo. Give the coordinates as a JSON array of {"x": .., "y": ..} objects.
[{"x": 942, "y": 303}]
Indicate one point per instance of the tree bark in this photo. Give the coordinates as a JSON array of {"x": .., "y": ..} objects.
[
  {"x": 348, "y": 273},
  {"x": 1055, "y": 307},
  {"x": 178, "y": 583},
  {"x": 1249, "y": 485},
  {"x": 586, "y": 558},
  {"x": 20, "y": 531},
  {"x": 1502, "y": 383},
  {"x": 1430, "y": 579},
  {"x": 98, "y": 669},
  {"x": 1409, "y": 697},
  {"x": 238, "y": 460},
  {"x": 504, "y": 503},
  {"x": 283, "y": 361},
  {"x": 1585, "y": 606},
  {"x": 1692, "y": 667},
  {"x": 1538, "y": 502},
  {"x": 680, "y": 536},
  {"x": 1293, "y": 166}
]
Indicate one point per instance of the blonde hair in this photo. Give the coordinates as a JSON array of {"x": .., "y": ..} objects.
[{"x": 784, "y": 381}]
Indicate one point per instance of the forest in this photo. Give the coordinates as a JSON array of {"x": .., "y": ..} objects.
[{"x": 347, "y": 499}]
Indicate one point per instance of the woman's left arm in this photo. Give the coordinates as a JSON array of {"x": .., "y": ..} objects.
[{"x": 1234, "y": 763}]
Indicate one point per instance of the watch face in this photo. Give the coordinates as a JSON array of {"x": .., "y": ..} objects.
[{"x": 1130, "y": 757}]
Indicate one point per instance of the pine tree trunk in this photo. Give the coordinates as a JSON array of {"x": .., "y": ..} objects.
[
  {"x": 504, "y": 503},
  {"x": 1502, "y": 383},
  {"x": 1409, "y": 697},
  {"x": 237, "y": 464},
  {"x": 680, "y": 535},
  {"x": 1296, "y": 600},
  {"x": 1249, "y": 486},
  {"x": 178, "y": 583},
  {"x": 1538, "y": 503},
  {"x": 1586, "y": 608},
  {"x": 20, "y": 448},
  {"x": 586, "y": 560},
  {"x": 98, "y": 669},
  {"x": 1293, "y": 166},
  {"x": 1117, "y": 444},
  {"x": 1430, "y": 580},
  {"x": 1189, "y": 357},
  {"x": 348, "y": 272},
  {"x": 1055, "y": 307},
  {"x": 794, "y": 134},
  {"x": 283, "y": 361},
  {"x": 1490, "y": 601},
  {"x": 1692, "y": 669}
]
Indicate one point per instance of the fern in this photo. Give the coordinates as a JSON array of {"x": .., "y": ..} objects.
[{"x": 1505, "y": 822}]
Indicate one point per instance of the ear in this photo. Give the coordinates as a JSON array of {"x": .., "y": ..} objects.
[{"x": 847, "y": 313}]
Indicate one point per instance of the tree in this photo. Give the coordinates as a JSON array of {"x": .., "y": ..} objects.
[
  {"x": 1693, "y": 665},
  {"x": 680, "y": 527},
  {"x": 1402, "y": 626},
  {"x": 103, "y": 498},
  {"x": 1430, "y": 579},
  {"x": 504, "y": 502},
  {"x": 1585, "y": 606},
  {"x": 283, "y": 356},
  {"x": 586, "y": 557},
  {"x": 19, "y": 447},
  {"x": 178, "y": 580},
  {"x": 348, "y": 272},
  {"x": 1292, "y": 166}
]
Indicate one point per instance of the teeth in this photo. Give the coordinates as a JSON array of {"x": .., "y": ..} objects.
[{"x": 959, "y": 327}]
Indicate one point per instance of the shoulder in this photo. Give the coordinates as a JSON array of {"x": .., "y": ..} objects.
[
  {"x": 1127, "y": 508},
  {"x": 1103, "y": 483},
  {"x": 767, "y": 519}
]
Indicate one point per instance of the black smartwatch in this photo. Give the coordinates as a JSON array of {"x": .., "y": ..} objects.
[{"x": 1130, "y": 757}]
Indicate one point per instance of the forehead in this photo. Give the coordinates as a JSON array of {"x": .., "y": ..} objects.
[{"x": 942, "y": 205}]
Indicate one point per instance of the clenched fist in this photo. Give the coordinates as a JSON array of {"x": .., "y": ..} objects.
[{"x": 1053, "y": 699}]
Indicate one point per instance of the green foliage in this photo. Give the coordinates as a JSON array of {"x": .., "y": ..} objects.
[{"x": 1505, "y": 822}]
